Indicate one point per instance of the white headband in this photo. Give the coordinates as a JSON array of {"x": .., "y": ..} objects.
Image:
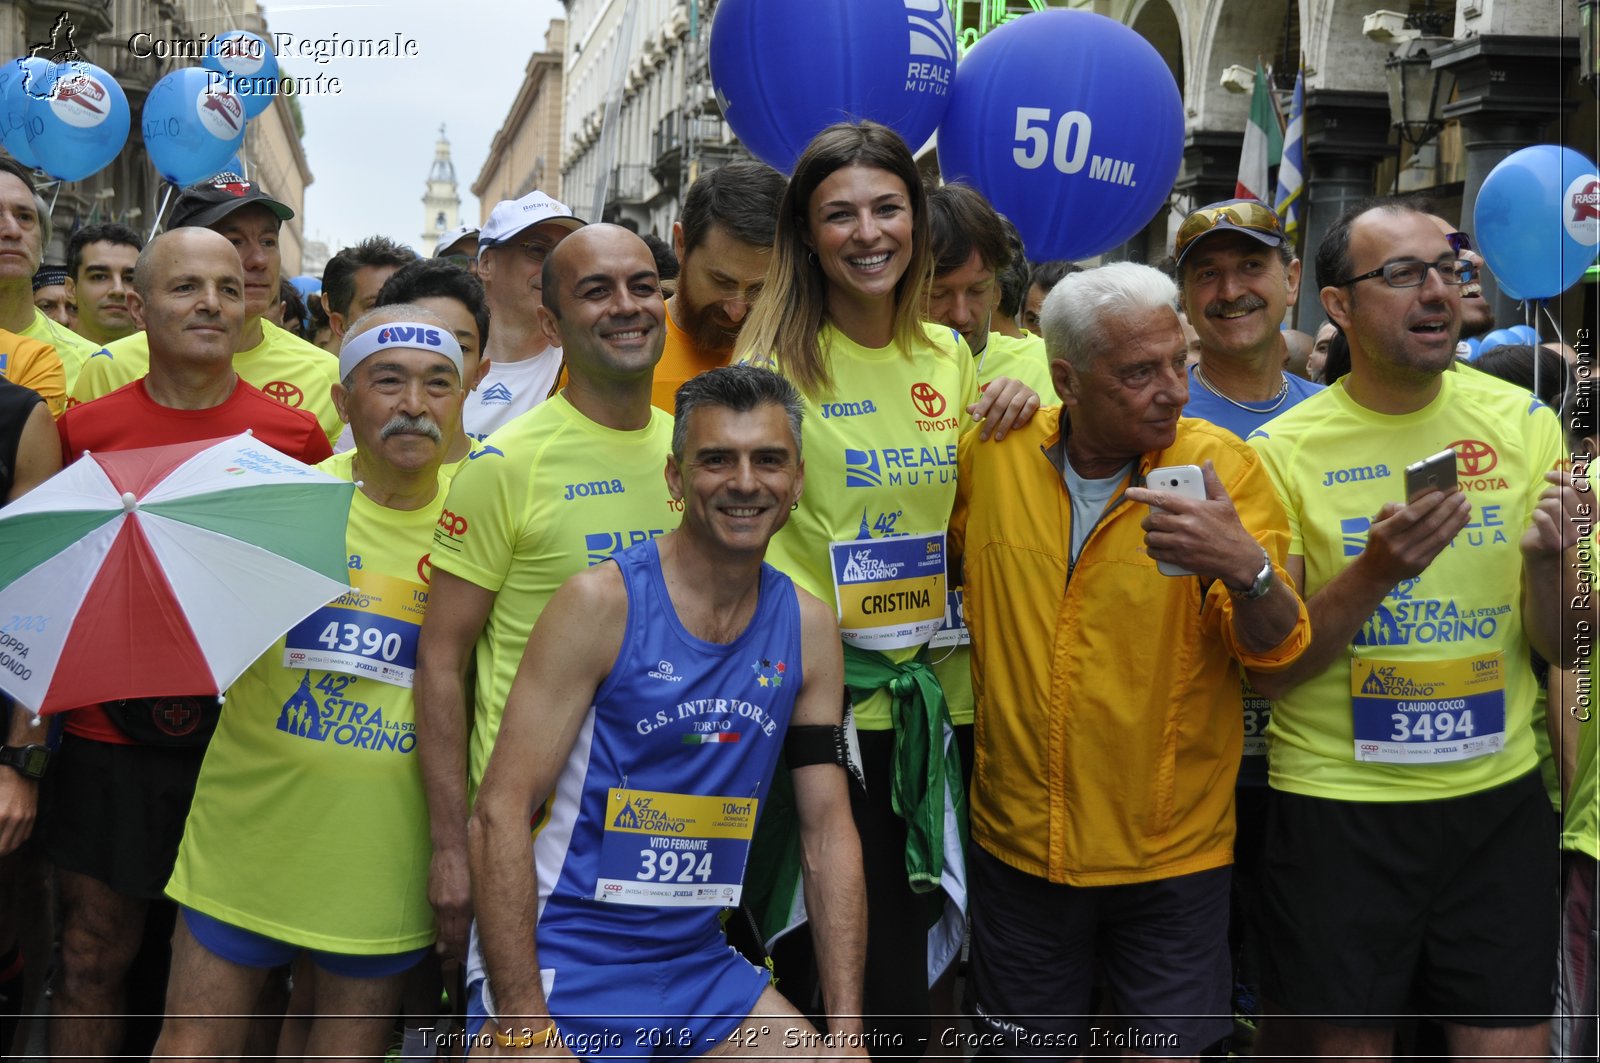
[{"x": 410, "y": 335}]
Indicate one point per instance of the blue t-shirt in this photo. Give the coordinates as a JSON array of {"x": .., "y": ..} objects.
[{"x": 1245, "y": 417}]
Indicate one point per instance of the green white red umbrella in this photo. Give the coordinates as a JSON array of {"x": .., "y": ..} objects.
[{"x": 163, "y": 570}]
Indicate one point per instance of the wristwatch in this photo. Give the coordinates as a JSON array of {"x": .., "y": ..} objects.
[
  {"x": 1263, "y": 581},
  {"x": 28, "y": 761}
]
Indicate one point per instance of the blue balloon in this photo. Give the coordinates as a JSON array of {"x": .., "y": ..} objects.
[
  {"x": 1474, "y": 348},
  {"x": 233, "y": 166},
  {"x": 1072, "y": 126},
  {"x": 1537, "y": 220},
  {"x": 1500, "y": 337},
  {"x": 191, "y": 128},
  {"x": 80, "y": 124},
  {"x": 1525, "y": 334},
  {"x": 17, "y": 78},
  {"x": 784, "y": 70},
  {"x": 247, "y": 66}
]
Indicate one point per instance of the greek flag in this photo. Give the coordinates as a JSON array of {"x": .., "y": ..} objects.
[{"x": 1289, "y": 203}]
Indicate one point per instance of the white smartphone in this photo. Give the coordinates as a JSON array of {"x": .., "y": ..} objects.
[{"x": 1186, "y": 481}]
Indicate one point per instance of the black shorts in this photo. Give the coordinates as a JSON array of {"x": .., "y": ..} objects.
[
  {"x": 1162, "y": 947},
  {"x": 1372, "y": 910},
  {"x": 116, "y": 813}
]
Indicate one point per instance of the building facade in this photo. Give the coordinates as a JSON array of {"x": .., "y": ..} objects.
[{"x": 526, "y": 152}]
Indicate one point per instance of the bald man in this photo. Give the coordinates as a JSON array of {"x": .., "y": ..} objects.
[
  {"x": 559, "y": 489},
  {"x": 116, "y": 797}
]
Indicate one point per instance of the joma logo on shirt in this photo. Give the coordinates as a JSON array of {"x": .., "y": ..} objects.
[
  {"x": 594, "y": 487},
  {"x": 1355, "y": 475}
]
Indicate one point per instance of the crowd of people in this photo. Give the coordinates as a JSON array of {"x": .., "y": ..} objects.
[{"x": 826, "y": 632}]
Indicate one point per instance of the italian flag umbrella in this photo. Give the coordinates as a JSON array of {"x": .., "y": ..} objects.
[{"x": 164, "y": 570}]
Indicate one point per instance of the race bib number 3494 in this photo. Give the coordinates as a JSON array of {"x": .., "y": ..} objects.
[{"x": 1428, "y": 712}]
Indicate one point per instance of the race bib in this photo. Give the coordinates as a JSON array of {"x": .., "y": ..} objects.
[
  {"x": 370, "y": 631},
  {"x": 954, "y": 630},
  {"x": 674, "y": 850},
  {"x": 1257, "y": 714},
  {"x": 1428, "y": 712},
  {"x": 891, "y": 593}
]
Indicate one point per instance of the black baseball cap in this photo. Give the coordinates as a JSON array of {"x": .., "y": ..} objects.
[{"x": 208, "y": 202}]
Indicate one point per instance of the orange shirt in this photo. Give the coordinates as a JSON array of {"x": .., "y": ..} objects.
[
  {"x": 680, "y": 361},
  {"x": 34, "y": 365}
]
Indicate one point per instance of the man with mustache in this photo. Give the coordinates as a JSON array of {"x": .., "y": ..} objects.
[
  {"x": 116, "y": 795},
  {"x": 317, "y": 751},
  {"x": 1237, "y": 276}
]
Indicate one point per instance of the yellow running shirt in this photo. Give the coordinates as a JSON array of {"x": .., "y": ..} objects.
[
  {"x": 1020, "y": 359},
  {"x": 309, "y": 823},
  {"x": 880, "y": 452},
  {"x": 547, "y": 495},
  {"x": 283, "y": 365},
  {"x": 71, "y": 348},
  {"x": 1434, "y": 698}
]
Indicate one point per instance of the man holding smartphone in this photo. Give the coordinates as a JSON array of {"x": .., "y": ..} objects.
[
  {"x": 1108, "y": 730},
  {"x": 1411, "y": 860}
]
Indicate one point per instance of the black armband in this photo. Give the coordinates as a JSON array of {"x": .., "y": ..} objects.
[{"x": 816, "y": 744}]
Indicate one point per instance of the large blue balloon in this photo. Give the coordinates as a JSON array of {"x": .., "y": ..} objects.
[
  {"x": 80, "y": 124},
  {"x": 248, "y": 60},
  {"x": 1526, "y": 334},
  {"x": 17, "y": 78},
  {"x": 191, "y": 128},
  {"x": 1072, "y": 126},
  {"x": 784, "y": 70},
  {"x": 1537, "y": 220}
]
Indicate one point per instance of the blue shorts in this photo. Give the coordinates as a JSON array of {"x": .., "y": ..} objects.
[
  {"x": 249, "y": 949},
  {"x": 672, "y": 1010}
]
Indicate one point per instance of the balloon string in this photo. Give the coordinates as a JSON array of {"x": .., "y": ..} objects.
[
  {"x": 53, "y": 197},
  {"x": 165, "y": 197},
  {"x": 1530, "y": 310},
  {"x": 1555, "y": 325}
]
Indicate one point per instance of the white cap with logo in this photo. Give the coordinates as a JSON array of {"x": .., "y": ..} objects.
[{"x": 511, "y": 216}]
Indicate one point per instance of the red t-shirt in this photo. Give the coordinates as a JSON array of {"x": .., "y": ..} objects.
[{"x": 129, "y": 418}]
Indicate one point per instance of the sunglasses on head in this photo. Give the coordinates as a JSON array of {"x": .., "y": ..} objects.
[
  {"x": 1458, "y": 242},
  {"x": 1249, "y": 215}
]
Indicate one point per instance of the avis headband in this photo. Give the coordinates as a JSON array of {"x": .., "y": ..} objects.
[{"x": 411, "y": 335}]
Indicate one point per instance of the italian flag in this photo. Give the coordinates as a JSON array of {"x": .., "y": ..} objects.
[{"x": 1263, "y": 143}]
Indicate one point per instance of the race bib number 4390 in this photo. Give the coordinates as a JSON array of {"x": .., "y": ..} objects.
[
  {"x": 371, "y": 631},
  {"x": 1428, "y": 712}
]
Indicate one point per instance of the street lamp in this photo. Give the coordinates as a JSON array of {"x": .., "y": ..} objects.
[{"x": 1417, "y": 90}]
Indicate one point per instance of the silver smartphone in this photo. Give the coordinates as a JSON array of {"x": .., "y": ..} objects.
[
  {"x": 1187, "y": 481},
  {"x": 1437, "y": 473}
]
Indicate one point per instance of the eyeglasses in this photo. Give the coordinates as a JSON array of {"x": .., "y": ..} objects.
[
  {"x": 1411, "y": 272},
  {"x": 534, "y": 251},
  {"x": 1248, "y": 215},
  {"x": 1458, "y": 242}
]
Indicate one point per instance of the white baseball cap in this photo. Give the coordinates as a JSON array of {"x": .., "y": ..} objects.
[
  {"x": 452, "y": 236},
  {"x": 511, "y": 216}
]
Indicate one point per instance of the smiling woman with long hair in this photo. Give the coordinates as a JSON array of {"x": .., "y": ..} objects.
[{"x": 887, "y": 396}]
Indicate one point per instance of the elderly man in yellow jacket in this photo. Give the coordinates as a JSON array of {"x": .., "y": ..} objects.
[{"x": 1108, "y": 729}]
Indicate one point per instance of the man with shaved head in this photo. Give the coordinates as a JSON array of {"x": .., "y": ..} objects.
[
  {"x": 564, "y": 487},
  {"x": 325, "y": 733},
  {"x": 116, "y": 796}
]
